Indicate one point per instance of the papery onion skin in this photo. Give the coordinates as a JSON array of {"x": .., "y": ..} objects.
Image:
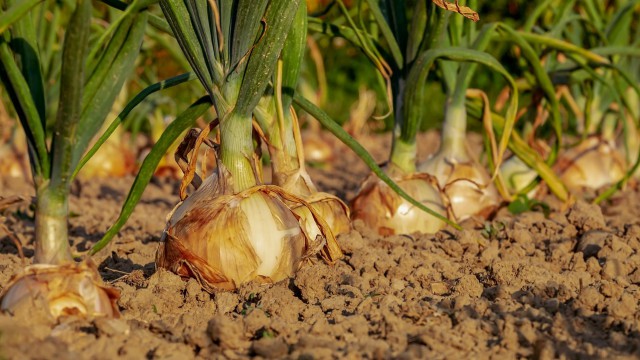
[
  {"x": 517, "y": 175},
  {"x": 227, "y": 240},
  {"x": 330, "y": 208},
  {"x": 387, "y": 213},
  {"x": 334, "y": 211},
  {"x": 465, "y": 184},
  {"x": 471, "y": 193},
  {"x": 592, "y": 164},
  {"x": 68, "y": 289}
]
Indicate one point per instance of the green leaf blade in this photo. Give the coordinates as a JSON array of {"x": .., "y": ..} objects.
[{"x": 278, "y": 17}]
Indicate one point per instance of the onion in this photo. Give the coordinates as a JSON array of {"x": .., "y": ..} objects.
[
  {"x": 518, "y": 175},
  {"x": 114, "y": 159},
  {"x": 464, "y": 183},
  {"x": 333, "y": 210},
  {"x": 592, "y": 164},
  {"x": 224, "y": 240},
  {"x": 316, "y": 149},
  {"x": 69, "y": 289},
  {"x": 384, "y": 210}
]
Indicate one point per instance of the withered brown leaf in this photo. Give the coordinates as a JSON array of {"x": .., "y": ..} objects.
[{"x": 455, "y": 7}]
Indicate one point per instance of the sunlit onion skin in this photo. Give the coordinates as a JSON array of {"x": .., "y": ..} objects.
[
  {"x": 316, "y": 149},
  {"x": 333, "y": 210},
  {"x": 114, "y": 159},
  {"x": 465, "y": 183},
  {"x": 385, "y": 211},
  {"x": 12, "y": 165},
  {"x": 330, "y": 208},
  {"x": 517, "y": 175},
  {"x": 225, "y": 240},
  {"x": 14, "y": 161},
  {"x": 592, "y": 164},
  {"x": 69, "y": 289}
]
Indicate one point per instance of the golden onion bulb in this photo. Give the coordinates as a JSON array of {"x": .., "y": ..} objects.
[
  {"x": 333, "y": 210},
  {"x": 316, "y": 149},
  {"x": 69, "y": 289},
  {"x": 464, "y": 183},
  {"x": 592, "y": 164},
  {"x": 330, "y": 208},
  {"x": 114, "y": 159},
  {"x": 224, "y": 240},
  {"x": 384, "y": 210},
  {"x": 12, "y": 164},
  {"x": 14, "y": 160},
  {"x": 517, "y": 175}
]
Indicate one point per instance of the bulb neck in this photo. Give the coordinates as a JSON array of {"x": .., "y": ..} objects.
[
  {"x": 236, "y": 151},
  {"x": 51, "y": 229},
  {"x": 454, "y": 132},
  {"x": 403, "y": 155}
]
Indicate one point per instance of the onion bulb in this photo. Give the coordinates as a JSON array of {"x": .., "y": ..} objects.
[
  {"x": 224, "y": 240},
  {"x": 333, "y": 210},
  {"x": 68, "y": 289},
  {"x": 465, "y": 184},
  {"x": 316, "y": 149},
  {"x": 290, "y": 173},
  {"x": 517, "y": 175},
  {"x": 592, "y": 164},
  {"x": 384, "y": 210},
  {"x": 14, "y": 161},
  {"x": 115, "y": 158}
]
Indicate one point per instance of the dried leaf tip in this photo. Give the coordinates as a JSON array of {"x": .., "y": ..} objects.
[{"x": 455, "y": 7}]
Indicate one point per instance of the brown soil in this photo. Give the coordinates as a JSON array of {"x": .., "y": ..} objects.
[{"x": 526, "y": 286}]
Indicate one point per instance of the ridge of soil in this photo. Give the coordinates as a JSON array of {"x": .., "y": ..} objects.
[{"x": 523, "y": 286}]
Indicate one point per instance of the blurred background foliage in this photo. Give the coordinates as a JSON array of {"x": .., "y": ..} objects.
[{"x": 336, "y": 76}]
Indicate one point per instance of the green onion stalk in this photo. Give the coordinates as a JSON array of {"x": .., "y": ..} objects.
[
  {"x": 88, "y": 89},
  {"x": 235, "y": 228}
]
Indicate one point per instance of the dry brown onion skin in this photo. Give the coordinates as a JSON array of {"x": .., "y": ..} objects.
[
  {"x": 227, "y": 240},
  {"x": 592, "y": 164},
  {"x": 335, "y": 212},
  {"x": 470, "y": 192},
  {"x": 69, "y": 289},
  {"x": 387, "y": 213},
  {"x": 465, "y": 184}
]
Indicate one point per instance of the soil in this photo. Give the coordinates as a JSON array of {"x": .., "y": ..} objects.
[{"x": 564, "y": 285}]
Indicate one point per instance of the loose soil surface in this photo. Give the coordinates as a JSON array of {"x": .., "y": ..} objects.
[{"x": 564, "y": 285}]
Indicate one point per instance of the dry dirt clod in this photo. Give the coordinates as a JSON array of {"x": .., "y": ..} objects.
[
  {"x": 439, "y": 288},
  {"x": 229, "y": 335},
  {"x": 270, "y": 348},
  {"x": 585, "y": 216}
]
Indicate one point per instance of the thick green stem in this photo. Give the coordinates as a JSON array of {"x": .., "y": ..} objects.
[
  {"x": 52, "y": 242},
  {"x": 403, "y": 155},
  {"x": 236, "y": 150},
  {"x": 404, "y": 148},
  {"x": 454, "y": 132}
]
